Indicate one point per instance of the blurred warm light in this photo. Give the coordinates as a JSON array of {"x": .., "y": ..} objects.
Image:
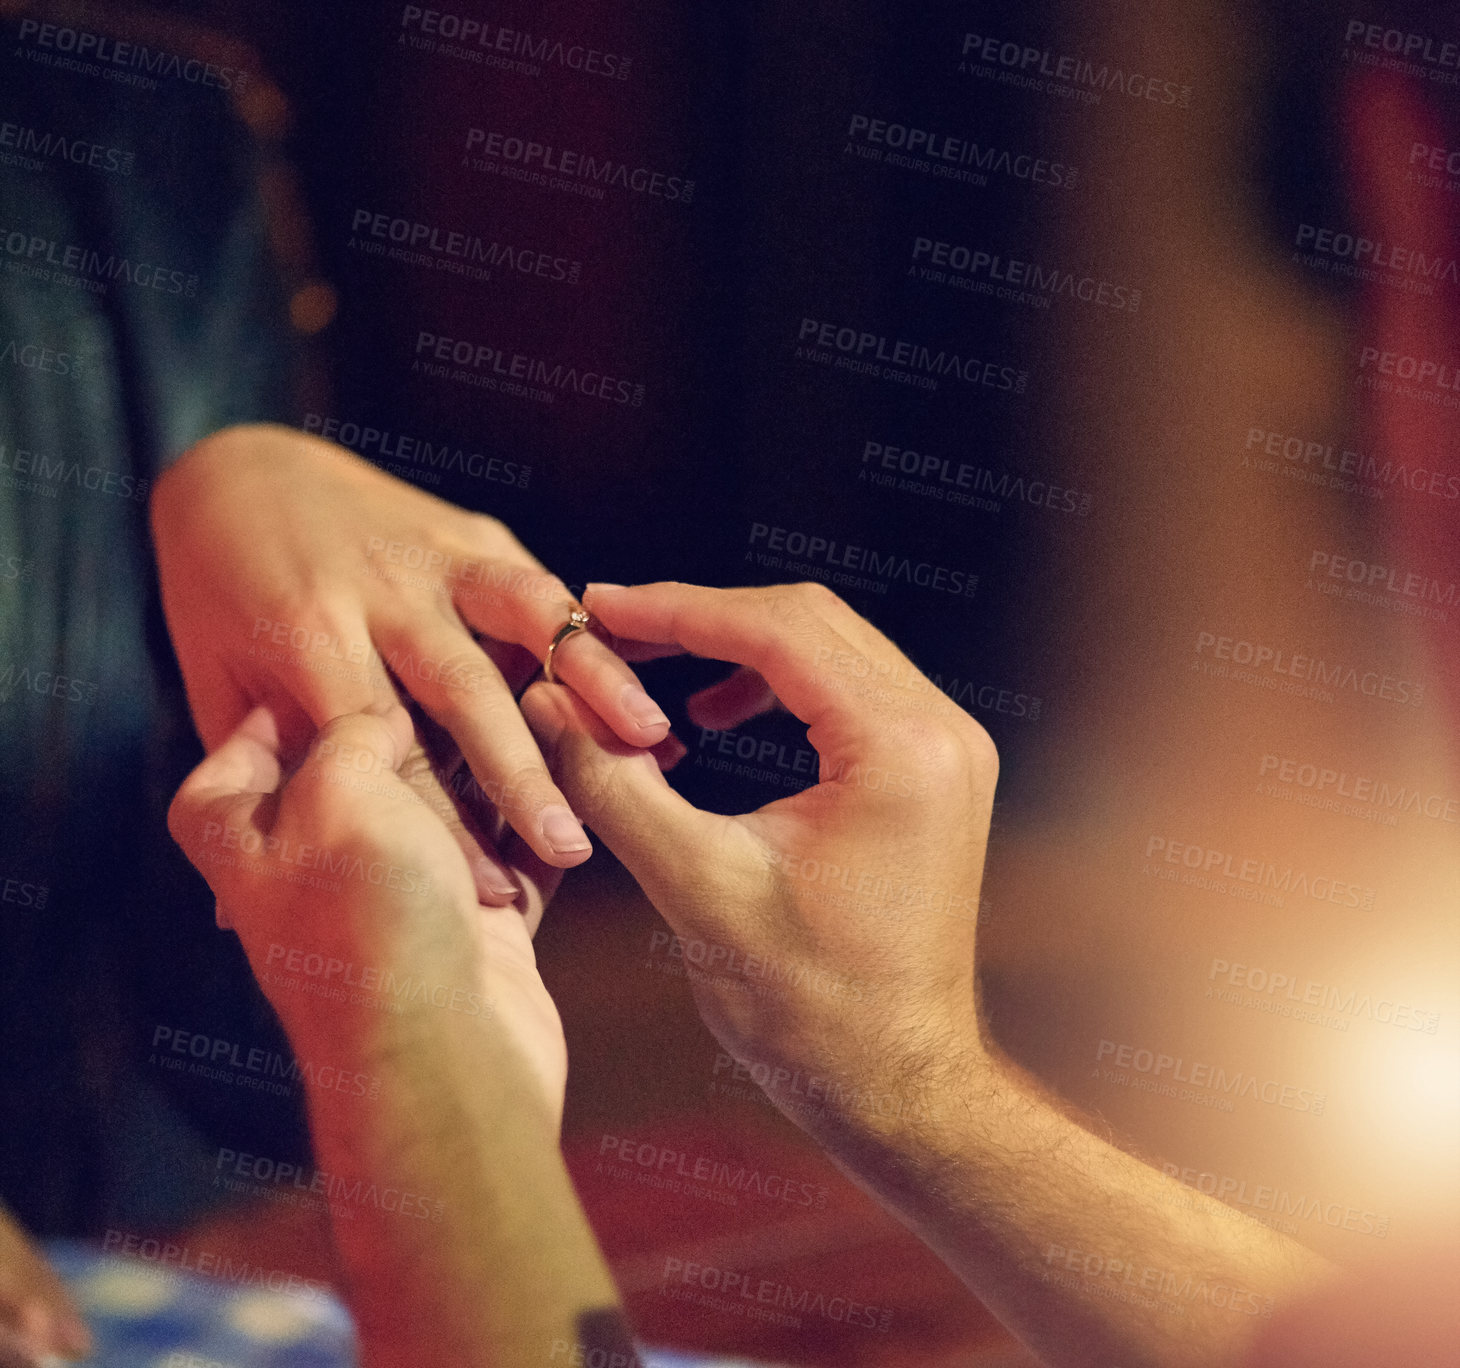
[
  {"x": 312, "y": 307},
  {"x": 1426, "y": 1082}
]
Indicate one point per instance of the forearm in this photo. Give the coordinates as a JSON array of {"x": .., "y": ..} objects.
[
  {"x": 1091, "y": 1257},
  {"x": 495, "y": 1264}
]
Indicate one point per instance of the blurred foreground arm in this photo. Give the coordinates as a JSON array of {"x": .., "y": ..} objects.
[{"x": 1088, "y": 1255}]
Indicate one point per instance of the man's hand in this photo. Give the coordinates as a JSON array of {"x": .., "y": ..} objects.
[
  {"x": 296, "y": 575},
  {"x": 848, "y": 912},
  {"x": 860, "y": 894}
]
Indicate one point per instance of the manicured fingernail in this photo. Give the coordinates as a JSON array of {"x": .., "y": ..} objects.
[
  {"x": 643, "y": 709},
  {"x": 563, "y": 832},
  {"x": 601, "y": 587}
]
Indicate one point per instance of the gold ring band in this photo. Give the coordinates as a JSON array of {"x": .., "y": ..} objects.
[{"x": 578, "y": 621}]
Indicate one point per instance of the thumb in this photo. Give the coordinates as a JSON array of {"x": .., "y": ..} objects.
[
  {"x": 620, "y": 792},
  {"x": 226, "y": 802}
]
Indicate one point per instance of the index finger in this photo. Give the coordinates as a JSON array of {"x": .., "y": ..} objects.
[{"x": 793, "y": 635}]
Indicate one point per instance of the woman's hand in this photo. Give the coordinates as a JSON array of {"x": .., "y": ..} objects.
[
  {"x": 354, "y": 902},
  {"x": 296, "y": 575}
]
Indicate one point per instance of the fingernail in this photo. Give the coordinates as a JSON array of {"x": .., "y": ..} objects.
[
  {"x": 601, "y": 587},
  {"x": 497, "y": 882},
  {"x": 643, "y": 709},
  {"x": 563, "y": 832},
  {"x": 669, "y": 752}
]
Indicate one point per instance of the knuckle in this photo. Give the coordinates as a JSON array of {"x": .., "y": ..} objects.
[
  {"x": 459, "y": 684},
  {"x": 486, "y": 528},
  {"x": 524, "y": 787},
  {"x": 816, "y": 596},
  {"x": 781, "y": 602},
  {"x": 935, "y": 751},
  {"x": 983, "y": 753}
]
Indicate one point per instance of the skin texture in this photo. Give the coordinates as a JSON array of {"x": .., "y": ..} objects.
[
  {"x": 485, "y": 1258},
  {"x": 1089, "y": 1255},
  {"x": 296, "y": 575},
  {"x": 872, "y": 1041}
]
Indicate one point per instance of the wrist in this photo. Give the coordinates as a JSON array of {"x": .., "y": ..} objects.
[
  {"x": 349, "y": 1002},
  {"x": 851, "y": 1088},
  {"x": 426, "y": 1075}
]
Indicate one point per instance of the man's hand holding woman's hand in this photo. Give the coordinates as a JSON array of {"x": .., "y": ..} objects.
[{"x": 854, "y": 901}]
